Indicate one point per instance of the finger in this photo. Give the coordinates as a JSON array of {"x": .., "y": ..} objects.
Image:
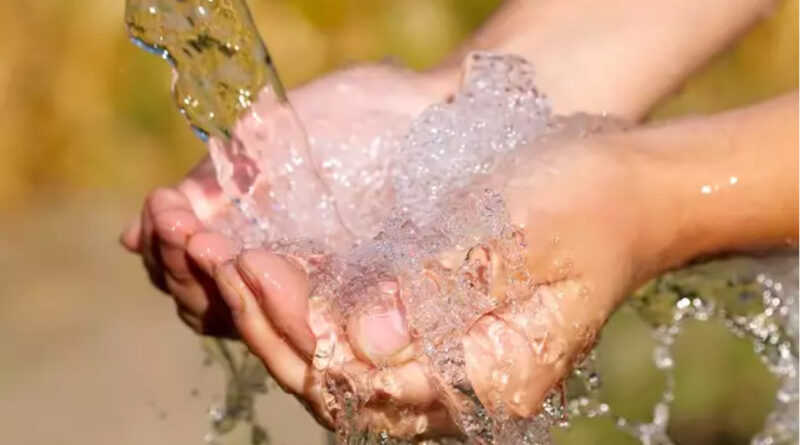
[
  {"x": 290, "y": 371},
  {"x": 499, "y": 365},
  {"x": 206, "y": 251},
  {"x": 283, "y": 290},
  {"x": 559, "y": 321},
  {"x": 189, "y": 318},
  {"x": 151, "y": 255},
  {"x": 280, "y": 358},
  {"x": 190, "y": 295},
  {"x": 412, "y": 425},
  {"x": 208, "y": 315},
  {"x": 518, "y": 354},
  {"x": 205, "y": 197},
  {"x": 210, "y": 250},
  {"x": 171, "y": 216},
  {"x": 408, "y": 384},
  {"x": 157, "y": 202},
  {"x": 131, "y": 237},
  {"x": 162, "y": 232},
  {"x": 164, "y": 198},
  {"x": 174, "y": 227}
]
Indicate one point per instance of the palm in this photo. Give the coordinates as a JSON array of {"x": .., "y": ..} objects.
[{"x": 582, "y": 272}]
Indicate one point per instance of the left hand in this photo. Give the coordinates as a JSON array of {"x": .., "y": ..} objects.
[
  {"x": 168, "y": 237},
  {"x": 353, "y": 110},
  {"x": 515, "y": 354}
]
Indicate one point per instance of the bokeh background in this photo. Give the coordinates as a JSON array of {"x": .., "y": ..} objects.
[{"x": 90, "y": 354}]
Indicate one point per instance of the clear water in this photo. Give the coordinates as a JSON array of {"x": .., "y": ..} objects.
[
  {"x": 234, "y": 420},
  {"x": 220, "y": 69},
  {"x": 219, "y": 60},
  {"x": 754, "y": 298},
  {"x": 441, "y": 202}
]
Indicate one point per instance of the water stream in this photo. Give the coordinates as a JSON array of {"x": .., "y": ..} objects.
[{"x": 441, "y": 201}]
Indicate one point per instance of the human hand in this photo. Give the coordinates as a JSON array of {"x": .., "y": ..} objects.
[
  {"x": 575, "y": 203},
  {"x": 357, "y": 110}
]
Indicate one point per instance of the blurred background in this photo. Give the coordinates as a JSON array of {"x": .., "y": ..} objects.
[{"x": 91, "y": 354}]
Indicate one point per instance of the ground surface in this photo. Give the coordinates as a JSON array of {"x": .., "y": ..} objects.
[{"x": 90, "y": 353}]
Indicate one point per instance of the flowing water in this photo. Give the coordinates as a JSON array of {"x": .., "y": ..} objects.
[{"x": 436, "y": 198}]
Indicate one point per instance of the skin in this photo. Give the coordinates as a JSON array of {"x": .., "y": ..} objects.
[
  {"x": 613, "y": 56},
  {"x": 584, "y": 270},
  {"x": 645, "y": 46},
  {"x": 163, "y": 234},
  {"x": 649, "y": 47}
]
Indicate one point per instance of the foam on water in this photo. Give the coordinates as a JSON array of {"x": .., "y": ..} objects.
[{"x": 497, "y": 110}]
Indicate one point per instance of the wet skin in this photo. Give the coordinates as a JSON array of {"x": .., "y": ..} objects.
[
  {"x": 600, "y": 232},
  {"x": 648, "y": 47},
  {"x": 514, "y": 354},
  {"x": 617, "y": 182},
  {"x": 330, "y": 106}
]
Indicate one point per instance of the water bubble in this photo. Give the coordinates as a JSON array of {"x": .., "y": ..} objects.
[
  {"x": 434, "y": 203},
  {"x": 663, "y": 357}
]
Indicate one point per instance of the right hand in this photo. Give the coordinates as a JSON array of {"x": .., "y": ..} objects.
[{"x": 587, "y": 245}]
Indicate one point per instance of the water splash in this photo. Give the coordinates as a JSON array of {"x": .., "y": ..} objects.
[
  {"x": 234, "y": 421},
  {"x": 227, "y": 87},
  {"x": 754, "y": 298},
  {"x": 221, "y": 67}
]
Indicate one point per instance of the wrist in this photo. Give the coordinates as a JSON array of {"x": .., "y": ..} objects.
[
  {"x": 655, "y": 195},
  {"x": 706, "y": 186},
  {"x": 652, "y": 230},
  {"x": 666, "y": 235}
]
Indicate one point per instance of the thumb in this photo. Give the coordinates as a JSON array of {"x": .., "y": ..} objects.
[
  {"x": 380, "y": 334},
  {"x": 282, "y": 290},
  {"x": 518, "y": 353}
]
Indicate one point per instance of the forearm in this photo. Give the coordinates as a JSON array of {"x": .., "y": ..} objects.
[
  {"x": 712, "y": 185},
  {"x": 614, "y": 56}
]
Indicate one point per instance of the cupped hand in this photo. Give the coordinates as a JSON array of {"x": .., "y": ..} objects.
[
  {"x": 576, "y": 204},
  {"x": 345, "y": 113}
]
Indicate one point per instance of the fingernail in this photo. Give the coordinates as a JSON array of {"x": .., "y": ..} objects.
[{"x": 380, "y": 333}]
